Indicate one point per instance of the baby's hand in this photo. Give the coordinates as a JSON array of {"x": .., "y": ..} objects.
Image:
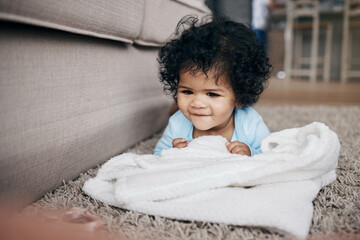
[
  {"x": 180, "y": 143},
  {"x": 237, "y": 147}
]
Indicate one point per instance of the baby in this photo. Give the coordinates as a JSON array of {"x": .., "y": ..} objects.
[{"x": 215, "y": 71}]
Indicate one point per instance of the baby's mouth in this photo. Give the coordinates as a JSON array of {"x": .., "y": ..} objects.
[{"x": 199, "y": 114}]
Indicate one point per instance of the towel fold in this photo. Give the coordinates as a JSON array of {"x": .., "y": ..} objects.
[{"x": 205, "y": 182}]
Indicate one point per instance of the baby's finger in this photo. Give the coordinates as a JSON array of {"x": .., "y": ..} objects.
[
  {"x": 241, "y": 150},
  {"x": 181, "y": 145},
  {"x": 178, "y": 140},
  {"x": 238, "y": 150},
  {"x": 231, "y": 146}
]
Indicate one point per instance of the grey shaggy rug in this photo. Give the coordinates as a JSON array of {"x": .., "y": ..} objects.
[{"x": 336, "y": 208}]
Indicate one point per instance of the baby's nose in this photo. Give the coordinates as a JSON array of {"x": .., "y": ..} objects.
[{"x": 198, "y": 102}]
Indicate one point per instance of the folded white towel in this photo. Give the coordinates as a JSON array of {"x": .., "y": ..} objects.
[{"x": 205, "y": 182}]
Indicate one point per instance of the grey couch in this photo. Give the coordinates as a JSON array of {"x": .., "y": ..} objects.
[{"x": 78, "y": 85}]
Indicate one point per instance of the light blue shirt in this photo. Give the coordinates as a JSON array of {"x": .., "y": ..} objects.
[{"x": 249, "y": 129}]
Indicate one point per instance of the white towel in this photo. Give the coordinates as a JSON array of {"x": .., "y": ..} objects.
[{"x": 205, "y": 182}]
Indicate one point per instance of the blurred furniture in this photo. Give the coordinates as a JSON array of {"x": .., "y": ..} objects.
[
  {"x": 351, "y": 11},
  {"x": 294, "y": 60},
  {"x": 322, "y": 61},
  {"x": 78, "y": 85}
]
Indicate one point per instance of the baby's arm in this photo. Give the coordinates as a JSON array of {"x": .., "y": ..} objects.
[
  {"x": 164, "y": 142},
  {"x": 250, "y": 129},
  {"x": 176, "y": 129},
  {"x": 255, "y": 131},
  {"x": 166, "y": 139}
]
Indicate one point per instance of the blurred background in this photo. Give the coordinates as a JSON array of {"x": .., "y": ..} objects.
[{"x": 313, "y": 46}]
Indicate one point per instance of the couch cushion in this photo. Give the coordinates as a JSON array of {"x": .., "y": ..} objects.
[
  {"x": 197, "y": 4},
  {"x": 162, "y": 16},
  {"x": 109, "y": 19}
]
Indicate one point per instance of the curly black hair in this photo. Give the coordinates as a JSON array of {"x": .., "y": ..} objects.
[{"x": 220, "y": 45}]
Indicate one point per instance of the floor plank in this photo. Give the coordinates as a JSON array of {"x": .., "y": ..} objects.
[{"x": 303, "y": 92}]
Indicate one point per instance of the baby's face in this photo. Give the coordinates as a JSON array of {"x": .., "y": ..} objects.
[{"x": 209, "y": 106}]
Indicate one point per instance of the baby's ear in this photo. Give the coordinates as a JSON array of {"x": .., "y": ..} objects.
[{"x": 238, "y": 105}]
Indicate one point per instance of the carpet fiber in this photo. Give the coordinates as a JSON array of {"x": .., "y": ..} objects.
[{"x": 336, "y": 208}]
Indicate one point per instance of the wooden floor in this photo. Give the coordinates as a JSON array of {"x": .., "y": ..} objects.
[{"x": 302, "y": 92}]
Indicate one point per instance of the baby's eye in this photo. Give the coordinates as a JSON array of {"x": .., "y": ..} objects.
[
  {"x": 211, "y": 94},
  {"x": 187, "y": 92}
]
